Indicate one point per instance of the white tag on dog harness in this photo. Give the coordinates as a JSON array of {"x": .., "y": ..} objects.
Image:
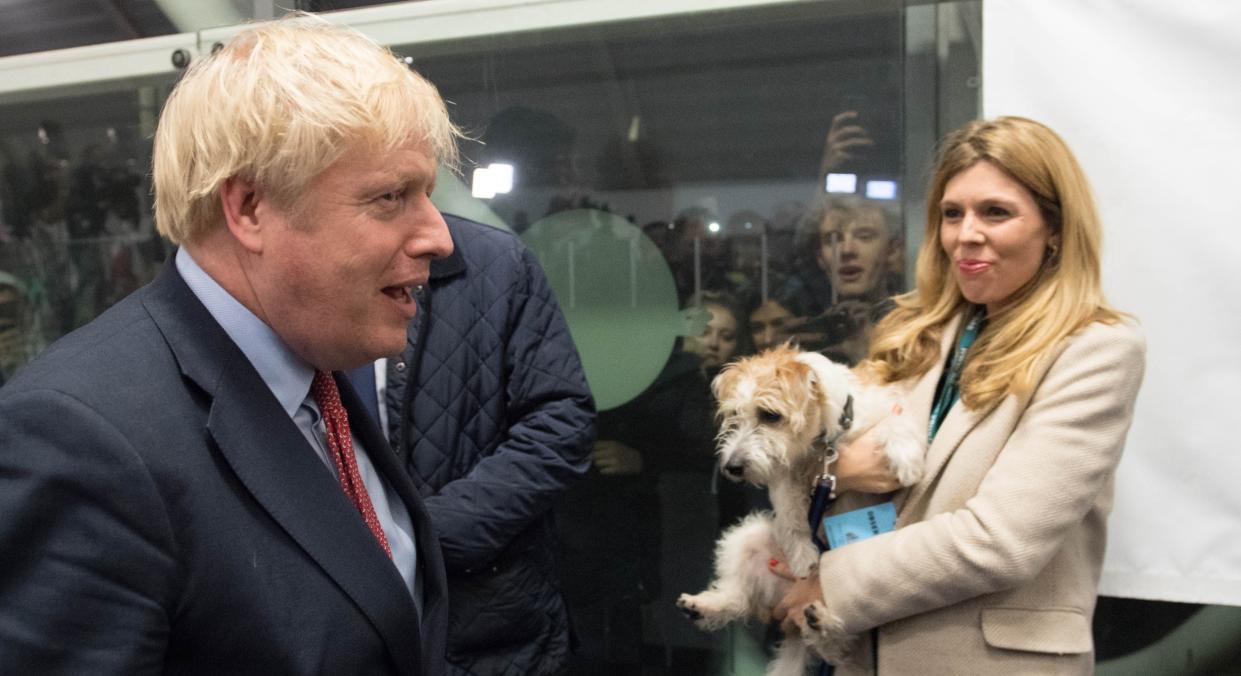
[{"x": 842, "y": 529}]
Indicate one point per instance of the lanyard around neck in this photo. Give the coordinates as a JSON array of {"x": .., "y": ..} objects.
[{"x": 951, "y": 390}]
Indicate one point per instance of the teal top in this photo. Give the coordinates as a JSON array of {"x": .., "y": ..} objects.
[{"x": 949, "y": 387}]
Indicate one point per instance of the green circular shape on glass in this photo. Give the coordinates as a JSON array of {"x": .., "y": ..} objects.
[{"x": 618, "y": 297}]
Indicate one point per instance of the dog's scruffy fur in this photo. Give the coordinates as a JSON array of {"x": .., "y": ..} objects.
[{"x": 772, "y": 407}]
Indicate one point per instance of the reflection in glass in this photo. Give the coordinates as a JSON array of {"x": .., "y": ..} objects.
[
  {"x": 707, "y": 141},
  {"x": 76, "y": 233}
]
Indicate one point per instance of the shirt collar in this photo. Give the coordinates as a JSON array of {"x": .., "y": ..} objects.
[{"x": 284, "y": 373}]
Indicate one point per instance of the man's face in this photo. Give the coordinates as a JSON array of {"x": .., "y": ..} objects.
[
  {"x": 336, "y": 269},
  {"x": 854, "y": 251}
]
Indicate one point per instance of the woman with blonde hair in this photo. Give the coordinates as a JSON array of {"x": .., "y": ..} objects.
[{"x": 1026, "y": 379}]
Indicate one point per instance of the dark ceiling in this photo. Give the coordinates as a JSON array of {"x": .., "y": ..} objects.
[{"x": 40, "y": 25}]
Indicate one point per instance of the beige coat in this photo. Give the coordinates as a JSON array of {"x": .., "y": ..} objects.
[{"x": 994, "y": 566}]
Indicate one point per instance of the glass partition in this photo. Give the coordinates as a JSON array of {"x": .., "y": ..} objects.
[
  {"x": 697, "y": 186},
  {"x": 76, "y": 232}
]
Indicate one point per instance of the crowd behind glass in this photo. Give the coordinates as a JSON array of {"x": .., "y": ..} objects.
[{"x": 75, "y": 233}]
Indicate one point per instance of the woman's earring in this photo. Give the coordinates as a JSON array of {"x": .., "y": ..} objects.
[{"x": 1053, "y": 252}]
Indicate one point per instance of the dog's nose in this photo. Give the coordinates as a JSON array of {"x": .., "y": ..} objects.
[{"x": 734, "y": 470}]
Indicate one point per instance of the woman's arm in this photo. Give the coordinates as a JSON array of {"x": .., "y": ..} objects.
[
  {"x": 1051, "y": 470},
  {"x": 863, "y": 466}
]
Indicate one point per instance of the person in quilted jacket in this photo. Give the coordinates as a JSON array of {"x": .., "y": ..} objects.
[{"x": 489, "y": 409}]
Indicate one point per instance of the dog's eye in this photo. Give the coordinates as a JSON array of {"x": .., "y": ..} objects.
[{"x": 768, "y": 417}]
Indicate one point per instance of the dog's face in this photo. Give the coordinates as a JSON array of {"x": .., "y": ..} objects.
[{"x": 770, "y": 408}]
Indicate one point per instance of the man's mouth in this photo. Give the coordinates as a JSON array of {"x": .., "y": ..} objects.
[
  {"x": 851, "y": 273},
  {"x": 399, "y": 293}
]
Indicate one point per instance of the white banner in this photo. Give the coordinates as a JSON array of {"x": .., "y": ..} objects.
[{"x": 1148, "y": 95}]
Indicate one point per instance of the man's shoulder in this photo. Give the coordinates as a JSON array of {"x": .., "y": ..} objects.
[
  {"x": 479, "y": 241},
  {"x": 485, "y": 258}
]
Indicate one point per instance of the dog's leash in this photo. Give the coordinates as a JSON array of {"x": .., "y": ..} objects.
[{"x": 824, "y": 493}]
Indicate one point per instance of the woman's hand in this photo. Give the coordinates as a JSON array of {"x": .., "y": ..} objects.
[
  {"x": 863, "y": 466},
  {"x": 791, "y": 610}
]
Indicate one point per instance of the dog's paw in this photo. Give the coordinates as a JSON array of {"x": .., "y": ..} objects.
[
  {"x": 688, "y": 605},
  {"x": 826, "y": 635},
  {"x": 709, "y": 610},
  {"x": 906, "y": 450},
  {"x": 814, "y": 617}
]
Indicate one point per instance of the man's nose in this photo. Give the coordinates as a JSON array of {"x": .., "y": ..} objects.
[{"x": 432, "y": 238}]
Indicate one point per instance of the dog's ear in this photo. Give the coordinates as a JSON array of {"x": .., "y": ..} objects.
[
  {"x": 812, "y": 392},
  {"x": 724, "y": 382},
  {"x": 807, "y": 379},
  {"x": 810, "y": 376},
  {"x": 796, "y": 391},
  {"x": 812, "y": 379}
]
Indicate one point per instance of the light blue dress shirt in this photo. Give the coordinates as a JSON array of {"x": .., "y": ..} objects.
[{"x": 288, "y": 378}]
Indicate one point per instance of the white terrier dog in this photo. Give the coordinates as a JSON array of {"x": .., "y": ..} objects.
[{"x": 774, "y": 407}]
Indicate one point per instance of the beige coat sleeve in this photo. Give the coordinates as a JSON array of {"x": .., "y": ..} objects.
[{"x": 1051, "y": 464}]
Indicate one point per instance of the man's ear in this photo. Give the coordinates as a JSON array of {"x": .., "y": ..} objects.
[{"x": 239, "y": 199}]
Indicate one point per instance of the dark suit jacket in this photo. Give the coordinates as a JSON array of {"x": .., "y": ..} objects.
[{"x": 160, "y": 513}]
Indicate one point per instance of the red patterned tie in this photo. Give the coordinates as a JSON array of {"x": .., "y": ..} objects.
[{"x": 323, "y": 388}]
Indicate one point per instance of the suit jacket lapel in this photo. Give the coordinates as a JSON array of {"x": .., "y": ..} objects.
[
  {"x": 922, "y": 397},
  {"x": 274, "y": 463}
]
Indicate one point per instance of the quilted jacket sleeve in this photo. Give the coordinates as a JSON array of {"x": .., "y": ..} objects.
[{"x": 539, "y": 404}]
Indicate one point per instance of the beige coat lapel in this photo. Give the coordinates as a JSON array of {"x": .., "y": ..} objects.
[
  {"x": 958, "y": 423},
  {"x": 920, "y": 399}
]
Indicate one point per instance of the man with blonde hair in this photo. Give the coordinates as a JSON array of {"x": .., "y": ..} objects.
[
  {"x": 857, "y": 256},
  {"x": 188, "y": 484}
]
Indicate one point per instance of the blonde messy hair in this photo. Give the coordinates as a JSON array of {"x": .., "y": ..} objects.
[
  {"x": 278, "y": 105},
  {"x": 841, "y": 210},
  {"x": 1065, "y": 295}
]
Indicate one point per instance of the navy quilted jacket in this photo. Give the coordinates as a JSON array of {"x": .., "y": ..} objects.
[{"x": 497, "y": 427}]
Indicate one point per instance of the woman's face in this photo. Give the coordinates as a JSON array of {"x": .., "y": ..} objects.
[
  {"x": 993, "y": 233},
  {"x": 768, "y": 324},
  {"x": 718, "y": 343}
]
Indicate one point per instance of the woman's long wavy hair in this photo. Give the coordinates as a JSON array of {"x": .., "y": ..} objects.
[{"x": 1063, "y": 297}]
